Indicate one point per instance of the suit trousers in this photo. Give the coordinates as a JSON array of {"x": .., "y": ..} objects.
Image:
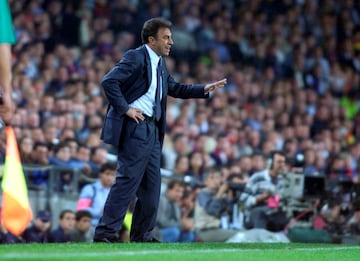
[{"x": 138, "y": 174}]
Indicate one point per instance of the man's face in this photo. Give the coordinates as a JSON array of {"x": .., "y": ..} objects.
[
  {"x": 42, "y": 225},
  {"x": 84, "y": 224},
  {"x": 279, "y": 164},
  {"x": 213, "y": 181},
  {"x": 107, "y": 178},
  {"x": 176, "y": 193},
  {"x": 41, "y": 152},
  {"x": 162, "y": 43},
  {"x": 83, "y": 154},
  {"x": 68, "y": 221}
]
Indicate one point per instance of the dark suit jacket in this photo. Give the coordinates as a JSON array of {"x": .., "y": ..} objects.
[{"x": 127, "y": 81}]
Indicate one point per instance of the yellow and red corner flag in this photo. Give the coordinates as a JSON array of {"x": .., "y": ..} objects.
[{"x": 16, "y": 212}]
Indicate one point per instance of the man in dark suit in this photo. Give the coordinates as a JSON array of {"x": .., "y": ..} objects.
[{"x": 136, "y": 89}]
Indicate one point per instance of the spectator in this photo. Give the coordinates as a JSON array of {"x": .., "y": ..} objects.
[
  {"x": 39, "y": 156},
  {"x": 25, "y": 149},
  {"x": 223, "y": 152},
  {"x": 262, "y": 195},
  {"x": 258, "y": 163},
  {"x": 37, "y": 135},
  {"x": 196, "y": 165},
  {"x": 309, "y": 168},
  {"x": 66, "y": 225},
  {"x": 290, "y": 148},
  {"x": 65, "y": 173},
  {"x": 185, "y": 40},
  {"x": 181, "y": 167},
  {"x": 173, "y": 226},
  {"x": 46, "y": 108},
  {"x": 245, "y": 165},
  {"x": 211, "y": 206},
  {"x": 38, "y": 232},
  {"x": 93, "y": 196},
  {"x": 81, "y": 161},
  {"x": 83, "y": 231},
  {"x": 187, "y": 202},
  {"x": 179, "y": 146},
  {"x": 50, "y": 133},
  {"x": 98, "y": 157}
]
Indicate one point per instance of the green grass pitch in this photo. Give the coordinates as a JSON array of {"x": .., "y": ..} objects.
[{"x": 181, "y": 251}]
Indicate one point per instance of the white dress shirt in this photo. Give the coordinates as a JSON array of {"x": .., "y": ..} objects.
[{"x": 146, "y": 102}]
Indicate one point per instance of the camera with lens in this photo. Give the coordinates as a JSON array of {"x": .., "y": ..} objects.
[
  {"x": 235, "y": 182},
  {"x": 236, "y": 186}
]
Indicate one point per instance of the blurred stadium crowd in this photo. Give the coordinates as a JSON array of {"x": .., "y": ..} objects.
[{"x": 293, "y": 70}]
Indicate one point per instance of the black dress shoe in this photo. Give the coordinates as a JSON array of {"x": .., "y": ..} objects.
[
  {"x": 152, "y": 240},
  {"x": 107, "y": 240},
  {"x": 149, "y": 240}
]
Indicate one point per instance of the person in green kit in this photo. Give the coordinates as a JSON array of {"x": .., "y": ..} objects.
[{"x": 7, "y": 37}]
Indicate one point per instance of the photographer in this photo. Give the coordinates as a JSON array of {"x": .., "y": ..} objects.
[
  {"x": 211, "y": 206},
  {"x": 236, "y": 184},
  {"x": 261, "y": 196},
  {"x": 171, "y": 224}
]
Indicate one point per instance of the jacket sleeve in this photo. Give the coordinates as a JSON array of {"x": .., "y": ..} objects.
[
  {"x": 256, "y": 185},
  {"x": 116, "y": 78},
  {"x": 184, "y": 91}
]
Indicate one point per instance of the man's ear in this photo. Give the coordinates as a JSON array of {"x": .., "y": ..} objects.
[{"x": 151, "y": 39}]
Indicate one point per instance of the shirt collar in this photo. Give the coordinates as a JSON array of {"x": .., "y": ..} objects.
[{"x": 154, "y": 58}]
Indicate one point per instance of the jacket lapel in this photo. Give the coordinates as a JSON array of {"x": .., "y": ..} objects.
[{"x": 148, "y": 66}]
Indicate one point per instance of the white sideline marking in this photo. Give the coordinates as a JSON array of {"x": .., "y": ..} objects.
[{"x": 161, "y": 252}]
